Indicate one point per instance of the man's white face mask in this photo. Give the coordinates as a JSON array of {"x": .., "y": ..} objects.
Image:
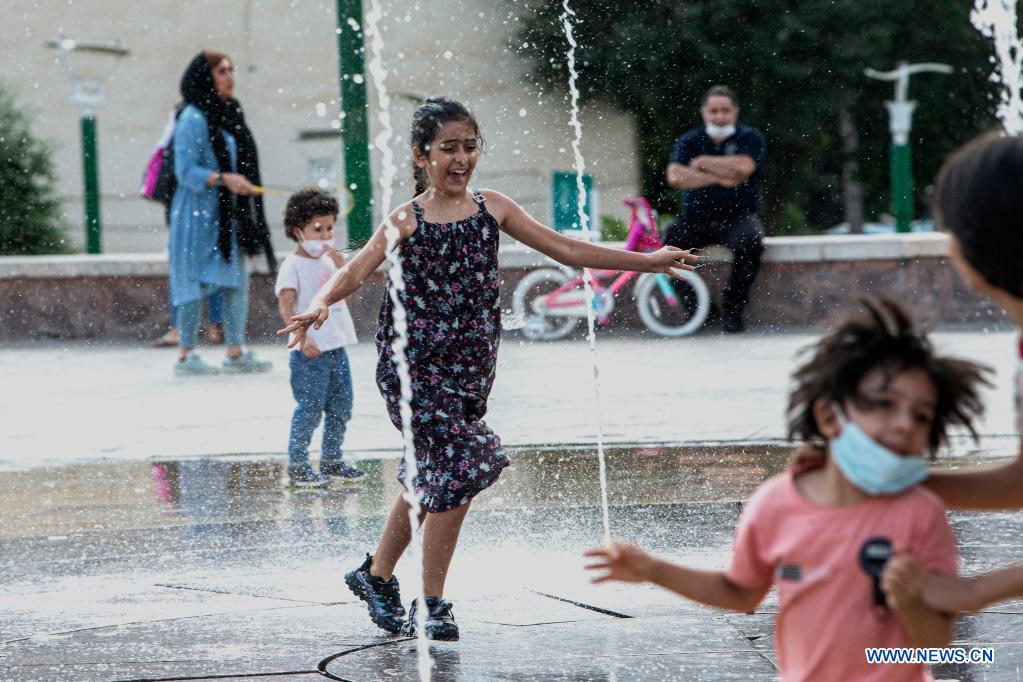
[{"x": 719, "y": 132}]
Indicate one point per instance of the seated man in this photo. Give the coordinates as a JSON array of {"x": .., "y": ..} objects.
[{"x": 720, "y": 168}]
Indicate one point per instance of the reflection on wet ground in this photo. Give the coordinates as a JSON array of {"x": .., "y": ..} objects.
[
  {"x": 199, "y": 493},
  {"x": 212, "y": 567},
  {"x": 207, "y": 492}
]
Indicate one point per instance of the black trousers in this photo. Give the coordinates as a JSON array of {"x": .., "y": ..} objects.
[{"x": 743, "y": 236}]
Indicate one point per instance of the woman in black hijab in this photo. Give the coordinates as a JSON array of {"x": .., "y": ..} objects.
[{"x": 217, "y": 219}]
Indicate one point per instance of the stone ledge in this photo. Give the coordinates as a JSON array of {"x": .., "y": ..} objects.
[
  {"x": 805, "y": 281},
  {"x": 778, "y": 250}
]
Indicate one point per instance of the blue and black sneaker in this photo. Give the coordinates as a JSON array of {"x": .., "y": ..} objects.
[
  {"x": 303, "y": 476},
  {"x": 440, "y": 623},
  {"x": 381, "y": 596},
  {"x": 341, "y": 469}
]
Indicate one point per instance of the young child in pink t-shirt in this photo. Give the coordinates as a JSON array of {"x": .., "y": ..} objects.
[{"x": 847, "y": 539}]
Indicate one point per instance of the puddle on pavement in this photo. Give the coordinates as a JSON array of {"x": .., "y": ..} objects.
[{"x": 106, "y": 496}]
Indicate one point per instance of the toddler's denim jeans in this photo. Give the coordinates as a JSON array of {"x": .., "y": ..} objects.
[{"x": 321, "y": 386}]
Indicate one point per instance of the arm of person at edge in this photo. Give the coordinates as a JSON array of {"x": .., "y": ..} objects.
[
  {"x": 351, "y": 276},
  {"x": 514, "y": 220},
  {"x": 998, "y": 486},
  {"x": 730, "y": 170},
  {"x": 903, "y": 581},
  {"x": 626, "y": 563},
  {"x": 958, "y": 593}
]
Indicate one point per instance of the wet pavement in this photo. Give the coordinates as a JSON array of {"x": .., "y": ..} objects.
[
  {"x": 202, "y": 568},
  {"x": 179, "y": 554}
]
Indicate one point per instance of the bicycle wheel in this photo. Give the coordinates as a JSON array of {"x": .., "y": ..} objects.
[
  {"x": 680, "y": 317},
  {"x": 529, "y": 301}
]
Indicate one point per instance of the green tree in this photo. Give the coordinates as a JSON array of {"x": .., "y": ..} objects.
[
  {"x": 30, "y": 210},
  {"x": 798, "y": 70}
]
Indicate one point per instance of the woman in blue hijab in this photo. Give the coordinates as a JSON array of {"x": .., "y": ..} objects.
[{"x": 216, "y": 217}]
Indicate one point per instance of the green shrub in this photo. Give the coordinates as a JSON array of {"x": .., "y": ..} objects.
[
  {"x": 30, "y": 210},
  {"x": 612, "y": 229},
  {"x": 792, "y": 222}
]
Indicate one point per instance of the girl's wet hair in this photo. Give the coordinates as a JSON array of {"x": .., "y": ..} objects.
[
  {"x": 978, "y": 198},
  {"x": 305, "y": 205},
  {"x": 427, "y": 121},
  {"x": 881, "y": 336}
]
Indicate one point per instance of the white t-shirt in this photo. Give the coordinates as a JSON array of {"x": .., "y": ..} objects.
[
  {"x": 306, "y": 276},
  {"x": 1019, "y": 388}
]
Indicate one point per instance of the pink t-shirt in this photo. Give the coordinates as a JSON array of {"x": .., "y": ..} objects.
[{"x": 811, "y": 554}]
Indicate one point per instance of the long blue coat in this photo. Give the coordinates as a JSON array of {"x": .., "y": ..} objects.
[{"x": 194, "y": 257}]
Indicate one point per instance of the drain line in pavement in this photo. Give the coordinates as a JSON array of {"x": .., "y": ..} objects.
[
  {"x": 591, "y": 607},
  {"x": 321, "y": 667}
]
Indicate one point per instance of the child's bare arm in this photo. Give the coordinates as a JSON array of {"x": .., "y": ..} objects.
[
  {"x": 956, "y": 593},
  {"x": 350, "y": 277},
  {"x": 336, "y": 257},
  {"x": 286, "y": 304},
  {"x": 903, "y": 582},
  {"x": 630, "y": 564},
  {"x": 576, "y": 253}
]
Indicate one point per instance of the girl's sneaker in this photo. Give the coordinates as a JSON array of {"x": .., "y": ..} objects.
[
  {"x": 341, "y": 469},
  {"x": 246, "y": 363},
  {"x": 303, "y": 476},
  {"x": 440, "y": 623},
  {"x": 381, "y": 596},
  {"x": 192, "y": 365}
]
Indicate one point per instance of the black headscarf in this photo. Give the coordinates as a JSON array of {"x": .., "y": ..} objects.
[{"x": 197, "y": 89}]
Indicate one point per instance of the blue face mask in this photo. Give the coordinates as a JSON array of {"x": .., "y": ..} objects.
[{"x": 872, "y": 467}]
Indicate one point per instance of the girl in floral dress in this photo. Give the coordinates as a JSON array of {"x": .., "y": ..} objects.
[{"x": 448, "y": 246}]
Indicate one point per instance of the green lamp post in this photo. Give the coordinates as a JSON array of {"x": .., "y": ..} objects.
[
  {"x": 351, "y": 53},
  {"x": 900, "y": 122},
  {"x": 87, "y": 66}
]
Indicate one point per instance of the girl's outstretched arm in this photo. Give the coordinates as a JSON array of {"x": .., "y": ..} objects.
[
  {"x": 348, "y": 279},
  {"x": 630, "y": 564},
  {"x": 576, "y": 253}
]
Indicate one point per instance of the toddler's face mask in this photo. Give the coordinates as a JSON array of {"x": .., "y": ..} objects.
[
  {"x": 316, "y": 247},
  {"x": 872, "y": 467}
]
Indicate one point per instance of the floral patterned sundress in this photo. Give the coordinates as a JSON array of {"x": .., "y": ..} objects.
[{"x": 454, "y": 323}]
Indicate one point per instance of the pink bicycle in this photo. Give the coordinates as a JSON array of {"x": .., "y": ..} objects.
[{"x": 551, "y": 301}]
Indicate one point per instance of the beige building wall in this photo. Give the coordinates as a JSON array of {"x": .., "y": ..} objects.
[{"x": 286, "y": 79}]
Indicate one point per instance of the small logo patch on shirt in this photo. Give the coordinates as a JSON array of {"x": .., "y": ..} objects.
[{"x": 790, "y": 572}]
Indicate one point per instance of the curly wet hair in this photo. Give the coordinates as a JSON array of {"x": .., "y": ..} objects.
[
  {"x": 304, "y": 205},
  {"x": 881, "y": 335}
]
